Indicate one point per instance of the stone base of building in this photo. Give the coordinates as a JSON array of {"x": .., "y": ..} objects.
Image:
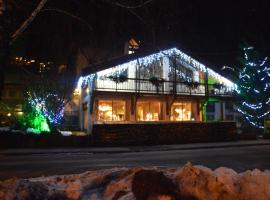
[{"x": 153, "y": 133}]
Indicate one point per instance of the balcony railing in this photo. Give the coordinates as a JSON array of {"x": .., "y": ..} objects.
[{"x": 167, "y": 87}]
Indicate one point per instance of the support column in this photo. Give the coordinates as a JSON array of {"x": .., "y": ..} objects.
[
  {"x": 196, "y": 110},
  {"x": 81, "y": 113},
  {"x": 132, "y": 107},
  {"x": 219, "y": 111},
  {"x": 222, "y": 111},
  {"x": 90, "y": 103}
]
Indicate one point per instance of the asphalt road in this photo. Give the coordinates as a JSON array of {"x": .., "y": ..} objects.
[{"x": 32, "y": 165}]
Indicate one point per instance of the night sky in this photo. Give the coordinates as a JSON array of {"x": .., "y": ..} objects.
[{"x": 209, "y": 30}]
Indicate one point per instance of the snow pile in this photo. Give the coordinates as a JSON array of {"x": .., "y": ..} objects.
[
  {"x": 4, "y": 129},
  {"x": 191, "y": 182}
]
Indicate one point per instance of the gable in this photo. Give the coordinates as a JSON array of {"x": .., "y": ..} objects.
[{"x": 184, "y": 59}]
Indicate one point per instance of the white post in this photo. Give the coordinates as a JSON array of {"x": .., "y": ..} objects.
[
  {"x": 81, "y": 115},
  {"x": 217, "y": 111},
  {"x": 90, "y": 120}
]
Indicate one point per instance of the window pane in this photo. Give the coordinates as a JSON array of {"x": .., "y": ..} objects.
[
  {"x": 105, "y": 110},
  {"x": 210, "y": 107},
  {"x": 153, "y": 69},
  {"x": 182, "y": 73},
  {"x": 118, "y": 111},
  {"x": 181, "y": 111},
  {"x": 148, "y": 111},
  {"x": 111, "y": 110}
]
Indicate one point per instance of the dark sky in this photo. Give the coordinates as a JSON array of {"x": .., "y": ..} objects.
[{"x": 210, "y": 30}]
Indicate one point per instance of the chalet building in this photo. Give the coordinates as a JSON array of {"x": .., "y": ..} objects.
[{"x": 156, "y": 87}]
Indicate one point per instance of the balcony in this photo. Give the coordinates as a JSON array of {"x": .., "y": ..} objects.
[{"x": 167, "y": 87}]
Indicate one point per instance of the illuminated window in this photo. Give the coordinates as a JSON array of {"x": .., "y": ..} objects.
[
  {"x": 111, "y": 110},
  {"x": 148, "y": 111},
  {"x": 181, "y": 111}
]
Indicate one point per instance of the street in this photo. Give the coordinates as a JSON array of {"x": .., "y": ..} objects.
[{"x": 33, "y": 165}]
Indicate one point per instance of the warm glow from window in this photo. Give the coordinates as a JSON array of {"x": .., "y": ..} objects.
[
  {"x": 77, "y": 92},
  {"x": 181, "y": 111},
  {"x": 148, "y": 111},
  {"x": 111, "y": 110}
]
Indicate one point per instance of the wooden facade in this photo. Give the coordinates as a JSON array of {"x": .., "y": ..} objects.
[{"x": 167, "y": 88}]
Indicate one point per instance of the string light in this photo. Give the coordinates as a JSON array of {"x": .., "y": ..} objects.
[
  {"x": 173, "y": 52},
  {"x": 253, "y": 85},
  {"x": 41, "y": 107}
]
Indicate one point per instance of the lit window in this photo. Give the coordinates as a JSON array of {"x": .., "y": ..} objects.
[
  {"x": 181, "y": 111},
  {"x": 148, "y": 111},
  {"x": 111, "y": 110}
]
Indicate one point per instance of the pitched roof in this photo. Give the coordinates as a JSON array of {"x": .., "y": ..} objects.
[
  {"x": 116, "y": 61},
  {"x": 126, "y": 58},
  {"x": 143, "y": 55}
]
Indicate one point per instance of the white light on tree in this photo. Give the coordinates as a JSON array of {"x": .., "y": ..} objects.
[{"x": 253, "y": 88}]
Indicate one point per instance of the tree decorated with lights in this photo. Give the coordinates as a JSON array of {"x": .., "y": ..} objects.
[
  {"x": 48, "y": 91},
  {"x": 254, "y": 88},
  {"x": 44, "y": 110}
]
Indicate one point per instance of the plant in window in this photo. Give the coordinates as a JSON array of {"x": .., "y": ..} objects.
[
  {"x": 218, "y": 86},
  {"x": 192, "y": 84},
  {"x": 119, "y": 77},
  {"x": 156, "y": 81}
]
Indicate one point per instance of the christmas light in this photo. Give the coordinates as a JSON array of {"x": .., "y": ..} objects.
[
  {"x": 41, "y": 107},
  {"x": 253, "y": 85},
  {"x": 253, "y": 106},
  {"x": 173, "y": 52}
]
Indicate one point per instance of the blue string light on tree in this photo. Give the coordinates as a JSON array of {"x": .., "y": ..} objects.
[{"x": 51, "y": 107}]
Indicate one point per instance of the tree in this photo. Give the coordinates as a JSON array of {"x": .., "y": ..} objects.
[
  {"x": 254, "y": 88},
  {"x": 6, "y": 35},
  {"x": 45, "y": 98}
]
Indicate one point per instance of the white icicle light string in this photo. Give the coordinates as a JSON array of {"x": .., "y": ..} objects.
[{"x": 153, "y": 57}]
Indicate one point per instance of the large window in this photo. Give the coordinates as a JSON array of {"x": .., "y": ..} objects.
[
  {"x": 111, "y": 110},
  {"x": 181, "y": 111},
  {"x": 182, "y": 73},
  {"x": 148, "y": 111},
  {"x": 151, "y": 70}
]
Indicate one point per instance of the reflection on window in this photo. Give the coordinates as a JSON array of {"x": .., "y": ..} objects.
[
  {"x": 111, "y": 110},
  {"x": 153, "y": 69},
  {"x": 148, "y": 111},
  {"x": 181, "y": 111},
  {"x": 182, "y": 73}
]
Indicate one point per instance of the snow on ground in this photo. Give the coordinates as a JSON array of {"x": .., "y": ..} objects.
[
  {"x": 4, "y": 129},
  {"x": 191, "y": 182}
]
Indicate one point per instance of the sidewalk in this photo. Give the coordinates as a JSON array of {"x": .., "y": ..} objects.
[{"x": 109, "y": 150}]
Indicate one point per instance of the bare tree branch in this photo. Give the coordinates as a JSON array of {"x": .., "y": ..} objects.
[
  {"x": 138, "y": 16},
  {"x": 70, "y": 15},
  {"x": 131, "y": 7},
  {"x": 26, "y": 23}
]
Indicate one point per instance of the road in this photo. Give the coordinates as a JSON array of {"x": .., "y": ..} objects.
[{"x": 33, "y": 165}]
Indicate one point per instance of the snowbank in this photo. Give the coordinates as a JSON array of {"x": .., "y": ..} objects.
[
  {"x": 4, "y": 129},
  {"x": 191, "y": 182}
]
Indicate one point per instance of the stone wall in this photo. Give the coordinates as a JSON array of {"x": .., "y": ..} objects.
[{"x": 163, "y": 133}]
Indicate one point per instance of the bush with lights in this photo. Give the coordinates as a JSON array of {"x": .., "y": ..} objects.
[{"x": 45, "y": 110}]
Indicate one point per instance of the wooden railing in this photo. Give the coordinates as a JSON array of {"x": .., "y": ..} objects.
[{"x": 167, "y": 87}]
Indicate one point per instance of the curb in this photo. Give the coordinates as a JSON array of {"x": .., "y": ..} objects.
[{"x": 135, "y": 150}]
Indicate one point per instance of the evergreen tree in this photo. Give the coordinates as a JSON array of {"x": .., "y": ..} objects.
[{"x": 254, "y": 88}]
